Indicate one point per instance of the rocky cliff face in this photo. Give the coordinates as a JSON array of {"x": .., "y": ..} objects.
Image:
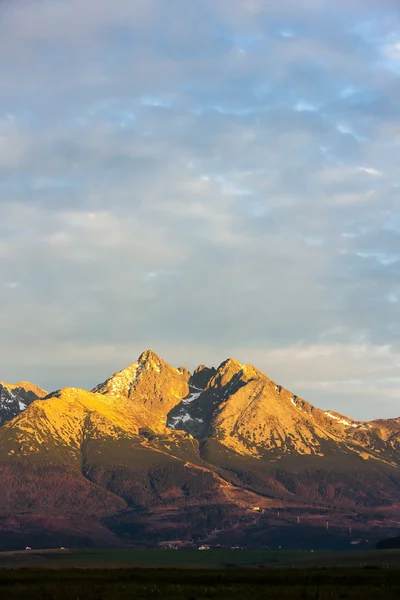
[{"x": 201, "y": 376}]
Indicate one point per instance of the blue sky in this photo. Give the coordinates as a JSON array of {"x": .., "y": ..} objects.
[{"x": 209, "y": 178}]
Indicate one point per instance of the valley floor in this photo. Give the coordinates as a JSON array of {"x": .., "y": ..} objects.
[{"x": 197, "y": 559}]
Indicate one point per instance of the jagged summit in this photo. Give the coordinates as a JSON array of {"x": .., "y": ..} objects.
[
  {"x": 231, "y": 371},
  {"x": 120, "y": 382},
  {"x": 149, "y": 382},
  {"x": 230, "y": 364},
  {"x": 149, "y": 357}
]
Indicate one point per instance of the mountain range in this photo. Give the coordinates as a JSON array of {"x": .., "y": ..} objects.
[{"x": 224, "y": 456}]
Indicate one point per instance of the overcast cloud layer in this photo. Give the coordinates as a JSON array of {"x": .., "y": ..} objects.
[{"x": 208, "y": 178}]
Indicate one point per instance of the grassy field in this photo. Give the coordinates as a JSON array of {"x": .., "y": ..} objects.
[
  {"x": 198, "y": 575},
  {"x": 195, "y": 559},
  {"x": 170, "y": 584}
]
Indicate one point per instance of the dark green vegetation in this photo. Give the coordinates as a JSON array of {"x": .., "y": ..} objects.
[
  {"x": 197, "y": 559},
  {"x": 389, "y": 543},
  {"x": 198, "y": 585}
]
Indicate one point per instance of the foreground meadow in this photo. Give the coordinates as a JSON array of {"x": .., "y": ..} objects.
[{"x": 144, "y": 584}]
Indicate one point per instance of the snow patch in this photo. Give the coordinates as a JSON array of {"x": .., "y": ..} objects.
[
  {"x": 183, "y": 419},
  {"x": 191, "y": 397},
  {"x": 342, "y": 421}
]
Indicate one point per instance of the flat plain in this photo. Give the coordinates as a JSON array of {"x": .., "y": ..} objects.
[
  {"x": 198, "y": 575},
  {"x": 194, "y": 584},
  {"x": 195, "y": 559}
]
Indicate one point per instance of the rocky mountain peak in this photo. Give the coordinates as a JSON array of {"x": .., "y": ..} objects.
[
  {"x": 149, "y": 382},
  {"x": 233, "y": 373},
  {"x": 210, "y": 390},
  {"x": 150, "y": 359}
]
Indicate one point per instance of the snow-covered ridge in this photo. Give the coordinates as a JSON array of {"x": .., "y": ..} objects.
[{"x": 343, "y": 421}]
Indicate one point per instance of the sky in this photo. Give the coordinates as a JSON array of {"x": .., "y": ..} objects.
[{"x": 206, "y": 178}]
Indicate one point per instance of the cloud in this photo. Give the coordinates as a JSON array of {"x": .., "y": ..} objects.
[
  {"x": 303, "y": 106},
  {"x": 207, "y": 178},
  {"x": 11, "y": 285},
  {"x": 369, "y": 171}
]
